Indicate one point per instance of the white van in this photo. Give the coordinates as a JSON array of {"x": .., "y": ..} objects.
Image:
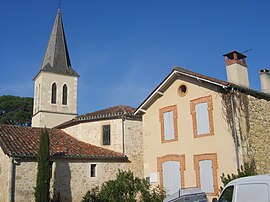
[{"x": 247, "y": 189}]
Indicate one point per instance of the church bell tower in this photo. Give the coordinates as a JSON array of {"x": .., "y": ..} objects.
[{"x": 55, "y": 85}]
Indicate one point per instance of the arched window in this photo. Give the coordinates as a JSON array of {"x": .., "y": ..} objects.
[
  {"x": 53, "y": 100},
  {"x": 64, "y": 98}
]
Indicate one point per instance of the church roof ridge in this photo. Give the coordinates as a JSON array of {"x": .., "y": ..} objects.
[
  {"x": 56, "y": 59},
  {"x": 115, "y": 112}
]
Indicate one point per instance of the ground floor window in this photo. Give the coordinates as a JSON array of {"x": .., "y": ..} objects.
[
  {"x": 93, "y": 170},
  {"x": 205, "y": 166}
]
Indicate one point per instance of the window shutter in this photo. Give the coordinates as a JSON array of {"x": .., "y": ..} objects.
[
  {"x": 168, "y": 126},
  {"x": 206, "y": 176},
  {"x": 171, "y": 176},
  {"x": 202, "y": 117},
  {"x": 106, "y": 135}
]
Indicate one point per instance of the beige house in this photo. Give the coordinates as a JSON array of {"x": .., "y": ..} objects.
[{"x": 196, "y": 127}]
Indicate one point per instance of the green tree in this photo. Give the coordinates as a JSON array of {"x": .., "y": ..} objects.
[
  {"x": 16, "y": 110},
  {"x": 248, "y": 169},
  {"x": 42, "y": 189},
  {"x": 125, "y": 188}
]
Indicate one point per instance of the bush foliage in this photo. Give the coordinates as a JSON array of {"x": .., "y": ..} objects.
[
  {"x": 248, "y": 169},
  {"x": 125, "y": 188}
]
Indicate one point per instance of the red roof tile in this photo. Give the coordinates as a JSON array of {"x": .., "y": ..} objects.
[
  {"x": 23, "y": 142},
  {"x": 109, "y": 113}
]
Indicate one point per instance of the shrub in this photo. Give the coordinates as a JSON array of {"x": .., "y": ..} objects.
[
  {"x": 248, "y": 169},
  {"x": 125, "y": 188}
]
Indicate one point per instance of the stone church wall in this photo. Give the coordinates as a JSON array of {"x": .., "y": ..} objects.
[
  {"x": 4, "y": 176},
  {"x": 71, "y": 179},
  {"x": 91, "y": 132}
]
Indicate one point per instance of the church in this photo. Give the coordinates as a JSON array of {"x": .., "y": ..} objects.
[{"x": 86, "y": 150}]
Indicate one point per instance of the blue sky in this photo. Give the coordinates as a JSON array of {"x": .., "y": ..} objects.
[{"x": 124, "y": 48}]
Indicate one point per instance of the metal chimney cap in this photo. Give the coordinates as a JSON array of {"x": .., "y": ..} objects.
[{"x": 262, "y": 71}]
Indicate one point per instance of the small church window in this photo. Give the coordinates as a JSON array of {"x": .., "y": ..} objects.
[
  {"x": 93, "y": 170},
  {"x": 53, "y": 100},
  {"x": 106, "y": 136},
  {"x": 64, "y": 98}
]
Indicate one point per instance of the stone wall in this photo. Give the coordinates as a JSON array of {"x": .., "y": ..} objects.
[
  {"x": 25, "y": 181},
  {"x": 4, "y": 176},
  {"x": 71, "y": 179},
  {"x": 134, "y": 146},
  {"x": 259, "y": 133},
  {"x": 91, "y": 132}
]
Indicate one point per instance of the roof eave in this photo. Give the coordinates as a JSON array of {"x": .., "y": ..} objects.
[
  {"x": 107, "y": 158},
  {"x": 157, "y": 92}
]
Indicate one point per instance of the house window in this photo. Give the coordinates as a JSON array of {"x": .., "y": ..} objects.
[
  {"x": 202, "y": 116},
  {"x": 93, "y": 170},
  {"x": 182, "y": 90},
  {"x": 168, "y": 122},
  {"x": 171, "y": 172},
  {"x": 106, "y": 135},
  {"x": 205, "y": 166},
  {"x": 53, "y": 96},
  {"x": 64, "y": 98}
]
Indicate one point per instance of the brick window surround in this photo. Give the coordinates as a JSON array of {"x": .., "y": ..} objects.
[
  {"x": 193, "y": 103},
  {"x": 172, "y": 108},
  {"x": 172, "y": 157},
  {"x": 213, "y": 158}
]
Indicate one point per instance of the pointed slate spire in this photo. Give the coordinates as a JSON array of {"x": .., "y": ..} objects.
[{"x": 56, "y": 59}]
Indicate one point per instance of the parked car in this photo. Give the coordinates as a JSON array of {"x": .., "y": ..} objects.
[
  {"x": 247, "y": 189},
  {"x": 192, "y": 194}
]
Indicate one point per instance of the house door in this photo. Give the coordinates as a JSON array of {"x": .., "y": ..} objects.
[{"x": 171, "y": 176}]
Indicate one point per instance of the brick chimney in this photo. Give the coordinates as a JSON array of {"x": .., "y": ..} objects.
[
  {"x": 236, "y": 68},
  {"x": 265, "y": 80}
]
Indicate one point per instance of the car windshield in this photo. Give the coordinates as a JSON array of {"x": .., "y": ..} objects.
[{"x": 227, "y": 195}]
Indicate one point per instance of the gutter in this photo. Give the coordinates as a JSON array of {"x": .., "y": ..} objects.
[{"x": 123, "y": 131}]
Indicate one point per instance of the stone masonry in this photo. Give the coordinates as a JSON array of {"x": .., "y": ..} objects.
[{"x": 259, "y": 133}]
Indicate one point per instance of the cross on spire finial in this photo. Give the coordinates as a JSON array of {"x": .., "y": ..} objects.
[{"x": 59, "y": 4}]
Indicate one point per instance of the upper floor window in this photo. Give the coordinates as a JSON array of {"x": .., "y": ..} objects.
[
  {"x": 53, "y": 96},
  {"x": 106, "y": 135},
  {"x": 64, "y": 98},
  {"x": 168, "y": 122},
  {"x": 202, "y": 116}
]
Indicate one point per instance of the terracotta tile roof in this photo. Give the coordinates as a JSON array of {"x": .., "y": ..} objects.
[
  {"x": 23, "y": 142},
  {"x": 109, "y": 113}
]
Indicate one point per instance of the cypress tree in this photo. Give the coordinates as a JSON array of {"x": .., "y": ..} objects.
[{"x": 42, "y": 192}]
